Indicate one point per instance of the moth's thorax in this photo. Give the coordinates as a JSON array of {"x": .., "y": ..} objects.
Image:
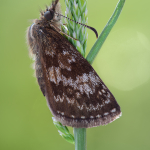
[{"x": 44, "y": 23}]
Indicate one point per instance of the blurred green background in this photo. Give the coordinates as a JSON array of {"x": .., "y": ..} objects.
[{"x": 123, "y": 64}]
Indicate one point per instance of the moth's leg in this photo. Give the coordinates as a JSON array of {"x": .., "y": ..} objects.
[{"x": 58, "y": 30}]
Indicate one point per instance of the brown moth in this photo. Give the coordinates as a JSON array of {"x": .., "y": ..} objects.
[{"x": 75, "y": 94}]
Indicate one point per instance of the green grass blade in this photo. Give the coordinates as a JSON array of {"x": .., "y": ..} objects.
[
  {"x": 63, "y": 131},
  {"x": 98, "y": 44}
]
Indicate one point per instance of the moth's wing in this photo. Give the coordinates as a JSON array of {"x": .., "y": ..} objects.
[{"x": 75, "y": 94}]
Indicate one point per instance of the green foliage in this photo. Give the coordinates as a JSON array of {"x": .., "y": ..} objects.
[
  {"x": 77, "y": 11},
  {"x": 63, "y": 131}
]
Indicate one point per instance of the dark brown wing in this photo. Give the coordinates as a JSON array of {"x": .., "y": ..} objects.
[{"x": 75, "y": 94}]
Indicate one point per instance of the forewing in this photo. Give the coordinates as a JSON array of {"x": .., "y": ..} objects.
[{"x": 75, "y": 94}]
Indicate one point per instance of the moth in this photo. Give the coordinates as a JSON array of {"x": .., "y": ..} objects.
[{"x": 75, "y": 94}]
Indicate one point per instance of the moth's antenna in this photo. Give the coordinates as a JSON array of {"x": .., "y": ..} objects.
[{"x": 91, "y": 28}]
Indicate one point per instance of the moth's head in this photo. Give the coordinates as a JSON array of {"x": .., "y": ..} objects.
[{"x": 50, "y": 15}]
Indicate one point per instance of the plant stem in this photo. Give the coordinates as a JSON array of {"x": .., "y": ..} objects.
[
  {"x": 77, "y": 11},
  {"x": 80, "y": 138},
  {"x": 98, "y": 44}
]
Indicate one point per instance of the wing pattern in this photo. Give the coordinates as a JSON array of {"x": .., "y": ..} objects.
[{"x": 75, "y": 94}]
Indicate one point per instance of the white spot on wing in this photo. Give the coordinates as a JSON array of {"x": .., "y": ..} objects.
[
  {"x": 58, "y": 98},
  {"x": 106, "y": 113},
  {"x": 64, "y": 66},
  {"x": 72, "y": 59},
  {"x": 85, "y": 77},
  {"x": 78, "y": 95},
  {"x": 108, "y": 94},
  {"x": 62, "y": 113},
  {"x": 83, "y": 117},
  {"x": 100, "y": 93},
  {"x": 104, "y": 87},
  {"x": 113, "y": 110},
  {"x": 65, "y": 53},
  {"x": 107, "y": 101},
  {"x": 91, "y": 107},
  {"x": 70, "y": 100},
  {"x": 103, "y": 91},
  {"x": 41, "y": 30},
  {"x": 98, "y": 116},
  {"x": 80, "y": 107},
  {"x": 87, "y": 89},
  {"x": 50, "y": 53},
  {"x": 72, "y": 116},
  {"x": 58, "y": 74},
  {"x": 52, "y": 75}
]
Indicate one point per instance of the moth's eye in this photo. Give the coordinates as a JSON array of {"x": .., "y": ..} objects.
[{"x": 49, "y": 15}]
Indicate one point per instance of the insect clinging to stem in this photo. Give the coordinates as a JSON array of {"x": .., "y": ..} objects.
[{"x": 74, "y": 92}]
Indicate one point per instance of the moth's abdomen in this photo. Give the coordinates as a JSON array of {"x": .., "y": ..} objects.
[{"x": 34, "y": 50}]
